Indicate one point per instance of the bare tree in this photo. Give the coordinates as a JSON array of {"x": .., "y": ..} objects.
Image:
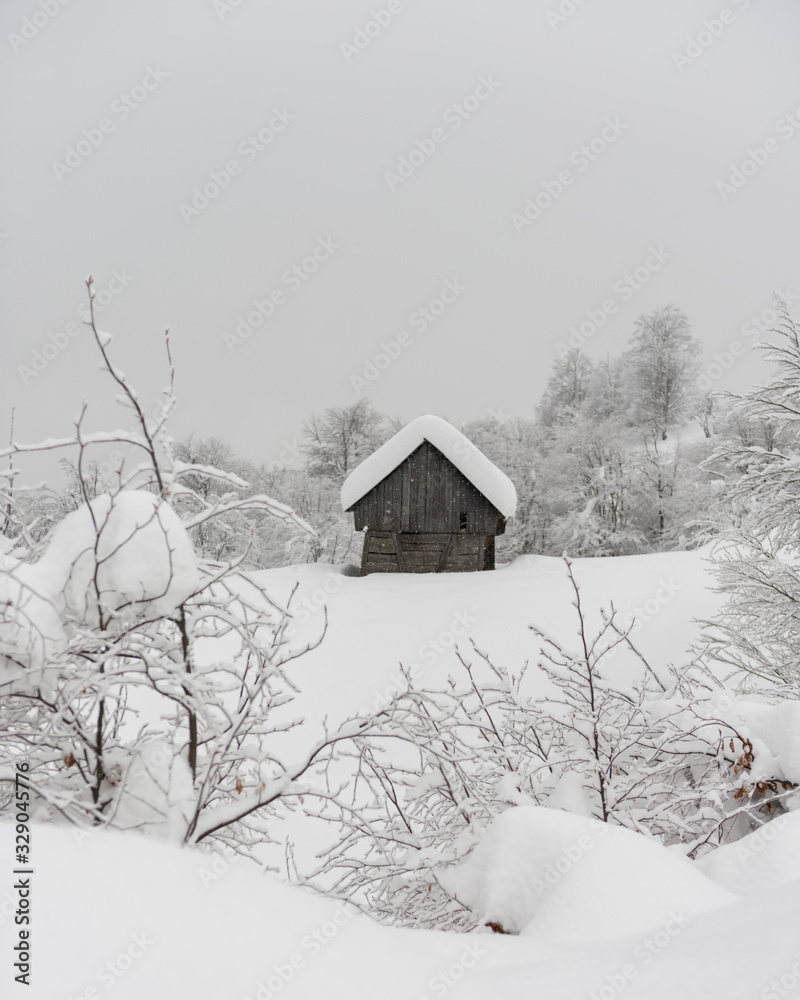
[{"x": 340, "y": 438}]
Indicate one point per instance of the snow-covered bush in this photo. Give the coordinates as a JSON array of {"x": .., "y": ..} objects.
[
  {"x": 668, "y": 754},
  {"x": 141, "y": 682},
  {"x": 553, "y": 876}
]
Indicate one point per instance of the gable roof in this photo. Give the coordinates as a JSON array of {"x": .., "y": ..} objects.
[{"x": 470, "y": 462}]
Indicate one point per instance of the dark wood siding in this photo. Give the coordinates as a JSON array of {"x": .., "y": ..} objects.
[
  {"x": 427, "y": 493},
  {"x": 426, "y": 552}
]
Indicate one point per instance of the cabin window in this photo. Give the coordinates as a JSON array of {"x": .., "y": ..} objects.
[{"x": 462, "y": 521}]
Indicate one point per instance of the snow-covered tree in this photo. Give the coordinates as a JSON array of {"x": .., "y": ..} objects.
[
  {"x": 759, "y": 628},
  {"x": 590, "y": 483},
  {"x": 340, "y": 438},
  {"x": 513, "y": 444},
  {"x": 663, "y": 367},
  {"x": 142, "y": 683},
  {"x": 567, "y": 387},
  {"x": 608, "y": 390}
]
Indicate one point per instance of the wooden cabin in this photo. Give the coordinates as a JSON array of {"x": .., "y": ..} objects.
[{"x": 429, "y": 501}]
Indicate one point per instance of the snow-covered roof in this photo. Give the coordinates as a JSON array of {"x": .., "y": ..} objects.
[{"x": 472, "y": 463}]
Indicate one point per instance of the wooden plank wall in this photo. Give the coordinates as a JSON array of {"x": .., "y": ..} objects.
[
  {"x": 425, "y": 552},
  {"x": 427, "y": 493}
]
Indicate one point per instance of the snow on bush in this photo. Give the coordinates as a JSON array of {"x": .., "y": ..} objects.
[
  {"x": 128, "y": 553},
  {"x": 563, "y": 879},
  {"x": 106, "y": 690},
  {"x": 31, "y": 627},
  {"x": 668, "y": 754},
  {"x": 774, "y": 730},
  {"x": 159, "y": 795},
  {"x": 119, "y": 555}
]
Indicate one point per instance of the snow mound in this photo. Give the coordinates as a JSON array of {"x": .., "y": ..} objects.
[
  {"x": 472, "y": 463},
  {"x": 130, "y": 917},
  {"x": 129, "y": 552},
  {"x": 131, "y": 548},
  {"x": 767, "y": 857},
  {"x": 565, "y": 879}
]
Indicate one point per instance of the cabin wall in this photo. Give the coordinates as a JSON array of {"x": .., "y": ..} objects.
[
  {"x": 426, "y": 552},
  {"x": 427, "y": 493}
]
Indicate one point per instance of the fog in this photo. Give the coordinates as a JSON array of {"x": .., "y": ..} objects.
[{"x": 415, "y": 201}]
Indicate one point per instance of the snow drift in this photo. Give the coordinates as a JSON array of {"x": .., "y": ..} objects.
[
  {"x": 561, "y": 878},
  {"x": 125, "y": 914}
]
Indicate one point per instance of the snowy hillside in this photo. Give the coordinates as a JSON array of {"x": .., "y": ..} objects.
[{"x": 379, "y": 622}]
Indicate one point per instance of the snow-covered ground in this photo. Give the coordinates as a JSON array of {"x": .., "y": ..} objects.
[
  {"x": 380, "y": 622},
  {"x": 129, "y": 917},
  {"x": 134, "y": 919}
]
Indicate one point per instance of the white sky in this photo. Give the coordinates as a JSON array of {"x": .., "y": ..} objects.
[{"x": 324, "y": 176}]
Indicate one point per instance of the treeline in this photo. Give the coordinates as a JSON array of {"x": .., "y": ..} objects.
[{"x": 617, "y": 460}]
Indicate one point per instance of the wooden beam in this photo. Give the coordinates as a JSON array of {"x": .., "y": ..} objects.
[
  {"x": 401, "y": 563},
  {"x": 445, "y": 554}
]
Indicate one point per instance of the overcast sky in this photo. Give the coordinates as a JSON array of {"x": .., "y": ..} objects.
[{"x": 483, "y": 106}]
